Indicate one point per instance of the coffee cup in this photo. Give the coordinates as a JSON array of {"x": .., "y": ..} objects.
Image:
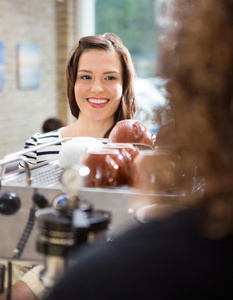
[
  {"x": 131, "y": 131},
  {"x": 73, "y": 150},
  {"x": 155, "y": 170},
  {"x": 107, "y": 168},
  {"x": 127, "y": 150}
]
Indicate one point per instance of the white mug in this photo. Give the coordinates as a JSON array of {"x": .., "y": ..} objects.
[{"x": 73, "y": 150}]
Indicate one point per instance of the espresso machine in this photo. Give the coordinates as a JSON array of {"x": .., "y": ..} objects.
[{"x": 47, "y": 211}]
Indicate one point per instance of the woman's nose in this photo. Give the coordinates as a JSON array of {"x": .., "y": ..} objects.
[{"x": 97, "y": 87}]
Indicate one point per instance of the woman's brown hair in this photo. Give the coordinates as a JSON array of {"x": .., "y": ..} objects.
[{"x": 107, "y": 42}]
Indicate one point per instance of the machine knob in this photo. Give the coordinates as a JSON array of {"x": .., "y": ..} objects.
[
  {"x": 40, "y": 200},
  {"x": 9, "y": 204}
]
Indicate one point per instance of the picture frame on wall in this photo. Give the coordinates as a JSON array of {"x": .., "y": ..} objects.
[
  {"x": 1, "y": 65},
  {"x": 29, "y": 69}
]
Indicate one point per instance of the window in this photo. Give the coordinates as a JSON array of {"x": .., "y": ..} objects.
[
  {"x": 140, "y": 24},
  {"x": 134, "y": 22}
]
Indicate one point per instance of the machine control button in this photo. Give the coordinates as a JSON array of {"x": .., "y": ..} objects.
[{"x": 9, "y": 203}]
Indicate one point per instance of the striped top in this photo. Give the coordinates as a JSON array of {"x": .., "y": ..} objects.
[{"x": 44, "y": 154}]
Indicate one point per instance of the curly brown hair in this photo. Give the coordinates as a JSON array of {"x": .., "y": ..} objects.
[
  {"x": 198, "y": 60},
  {"x": 107, "y": 42}
]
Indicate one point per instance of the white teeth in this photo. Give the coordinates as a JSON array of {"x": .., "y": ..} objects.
[{"x": 98, "y": 101}]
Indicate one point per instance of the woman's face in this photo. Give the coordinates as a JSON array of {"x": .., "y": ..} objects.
[{"x": 99, "y": 84}]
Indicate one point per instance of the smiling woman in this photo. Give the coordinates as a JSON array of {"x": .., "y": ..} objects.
[
  {"x": 99, "y": 86},
  {"x": 100, "y": 91}
]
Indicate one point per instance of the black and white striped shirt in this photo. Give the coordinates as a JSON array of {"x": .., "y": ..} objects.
[{"x": 44, "y": 154}]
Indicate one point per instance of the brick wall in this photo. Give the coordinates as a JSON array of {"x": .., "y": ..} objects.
[
  {"x": 66, "y": 39},
  {"x": 49, "y": 24}
]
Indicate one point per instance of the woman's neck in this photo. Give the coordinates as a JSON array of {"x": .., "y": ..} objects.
[{"x": 84, "y": 127}]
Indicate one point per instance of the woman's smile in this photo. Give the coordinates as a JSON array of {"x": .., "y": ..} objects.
[{"x": 97, "y": 102}]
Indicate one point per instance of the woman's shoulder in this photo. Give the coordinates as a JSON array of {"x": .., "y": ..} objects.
[
  {"x": 43, "y": 138},
  {"x": 45, "y": 153}
]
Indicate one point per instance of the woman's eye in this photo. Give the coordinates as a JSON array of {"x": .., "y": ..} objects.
[
  {"x": 111, "y": 78},
  {"x": 85, "y": 77}
]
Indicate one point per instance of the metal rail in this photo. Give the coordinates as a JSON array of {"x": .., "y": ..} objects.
[{"x": 19, "y": 156}]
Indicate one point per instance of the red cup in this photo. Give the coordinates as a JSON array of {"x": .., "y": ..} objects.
[
  {"x": 155, "y": 170},
  {"x": 107, "y": 168},
  {"x": 127, "y": 150},
  {"x": 131, "y": 131}
]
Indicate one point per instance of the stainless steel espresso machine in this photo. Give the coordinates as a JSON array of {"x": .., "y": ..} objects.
[{"x": 46, "y": 211}]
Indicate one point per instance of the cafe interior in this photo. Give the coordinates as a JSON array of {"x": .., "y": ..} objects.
[{"x": 97, "y": 188}]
